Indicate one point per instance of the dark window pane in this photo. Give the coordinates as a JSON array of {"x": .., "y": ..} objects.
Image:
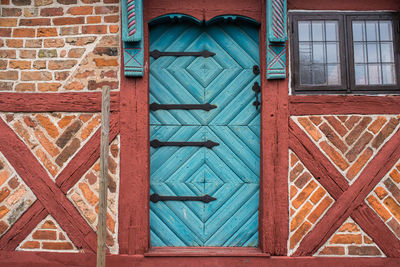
[
  {"x": 317, "y": 31},
  {"x": 331, "y": 30},
  {"x": 318, "y": 74},
  {"x": 304, "y": 31},
  {"x": 385, "y": 28},
  {"x": 305, "y": 75}
]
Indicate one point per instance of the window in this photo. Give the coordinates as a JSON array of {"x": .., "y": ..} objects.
[{"x": 345, "y": 52}]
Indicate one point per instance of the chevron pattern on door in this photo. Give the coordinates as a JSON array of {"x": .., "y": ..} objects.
[{"x": 230, "y": 171}]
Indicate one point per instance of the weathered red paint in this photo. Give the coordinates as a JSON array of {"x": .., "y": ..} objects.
[
  {"x": 363, "y": 5},
  {"x": 49, "y": 102}
]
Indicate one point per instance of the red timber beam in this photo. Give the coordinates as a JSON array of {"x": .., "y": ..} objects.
[
  {"x": 349, "y": 199},
  {"x": 60, "y": 102},
  {"x": 343, "y": 104},
  {"x": 51, "y": 197}
]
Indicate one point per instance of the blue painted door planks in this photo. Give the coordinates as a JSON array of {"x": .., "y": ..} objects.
[{"x": 230, "y": 171}]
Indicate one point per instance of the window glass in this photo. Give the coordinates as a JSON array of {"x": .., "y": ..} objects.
[
  {"x": 319, "y": 52},
  {"x": 373, "y": 52}
]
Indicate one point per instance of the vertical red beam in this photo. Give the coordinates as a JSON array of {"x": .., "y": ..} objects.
[
  {"x": 134, "y": 170},
  {"x": 274, "y": 215}
]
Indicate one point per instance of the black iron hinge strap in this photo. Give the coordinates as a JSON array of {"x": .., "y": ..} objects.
[
  {"x": 156, "y": 54},
  {"x": 257, "y": 89},
  {"x": 208, "y": 144},
  {"x": 206, "y": 198},
  {"x": 207, "y": 106}
]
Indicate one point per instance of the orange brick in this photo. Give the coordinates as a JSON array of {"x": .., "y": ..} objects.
[
  {"x": 113, "y": 28},
  {"x": 80, "y": 10},
  {"x": 57, "y": 245},
  {"x": 368, "y": 240},
  {"x": 349, "y": 227},
  {"x": 88, "y": 194},
  {"x": 392, "y": 205},
  {"x": 47, "y": 32},
  {"x": 4, "y": 175},
  {"x": 48, "y": 125},
  {"x": 4, "y": 192},
  {"x": 8, "y": 22},
  {"x": 377, "y": 124},
  {"x": 293, "y": 191},
  {"x": 93, "y": 19},
  {"x": 346, "y": 239},
  {"x": 44, "y": 235},
  {"x": 299, "y": 234},
  {"x": 68, "y": 20},
  {"x": 96, "y": 167},
  {"x": 20, "y": 64},
  {"x": 317, "y": 195},
  {"x": 376, "y": 205},
  {"x": 303, "y": 195},
  {"x": 31, "y": 244},
  {"x": 16, "y": 195},
  {"x": 359, "y": 164},
  {"x": 101, "y": 62},
  {"x": 334, "y": 156},
  {"x": 53, "y": 169},
  {"x": 46, "y": 143},
  {"x": 90, "y": 127},
  {"x": 24, "y": 134},
  {"x": 110, "y": 223},
  {"x": 381, "y": 192},
  {"x": 310, "y": 128},
  {"x": 3, "y": 211},
  {"x": 48, "y": 87},
  {"x": 395, "y": 175},
  {"x": 23, "y": 32},
  {"x": 293, "y": 159},
  {"x": 66, "y": 120},
  {"x": 48, "y": 225},
  {"x": 94, "y": 29},
  {"x": 316, "y": 214},
  {"x": 300, "y": 216}
]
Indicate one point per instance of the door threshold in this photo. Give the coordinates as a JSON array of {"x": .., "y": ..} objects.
[{"x": 205, "y": 252}]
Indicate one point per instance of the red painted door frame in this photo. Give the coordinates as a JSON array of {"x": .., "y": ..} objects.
[{"x": 134, "y": 123}]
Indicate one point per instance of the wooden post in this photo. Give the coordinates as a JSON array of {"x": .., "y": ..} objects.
[{"x": 103, "y": 182}]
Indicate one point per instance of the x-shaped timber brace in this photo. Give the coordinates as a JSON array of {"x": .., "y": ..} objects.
[
  {"x": 51, "y": 197},
  {"x": 349, "y": 200}
]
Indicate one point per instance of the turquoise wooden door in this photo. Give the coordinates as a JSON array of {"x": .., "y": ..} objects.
[{"x": 228, "y": 172}]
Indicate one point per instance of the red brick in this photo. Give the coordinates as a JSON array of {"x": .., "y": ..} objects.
[
  {"x": 316, "y": 120},
  {"x": 337, "y": 125},
  {"x": 15, "y": 43},
  {"x": 109, "y": 51},
  {"x": 61, "y": 75},
  {"x": 6, "y": 86},
  {"x": 76, "y": 52},
  {"x": 94, "y": 29},
  {"x": 385, "y": 132},
  {"x": 111, "y": 19},
  {"x": 69, "y": 30},
  {"x": 51, "y": 11},
  {"x": 30, "y": 54},
  {"x": 80, "y": 10},
  {"x": 333, "y": 137},
  {"x": 329, "y": 250},
  {"x": 93, "y": 85},
  {"x": 9, "y": 75},
  {"x": 57, "y": 245},
  {"x": 8, "y": 54},
  {"x": 44, "y": 235},
  {"x": 352, "y": 121},
  {"x": 68, "y": 152},
  {"x": 393, "y": 188},
  {"x": 334, "y": 156},
  {"x": 33, "y": 43},
  {"x": 3, "y": 227},
  {"x": 67, "y": 2},
  {"x": 68, "y": 134},
  {"x": 108, "y": 74},
  {"x": 8, "y": 22},
  {"x": 11, "y": 12},
  {"x": 359, "y": 146},
  {"x": 34, "y": 22},
  {"x": 359, "y": 164},
  {"x": 22, "y": 87},
  {"x": 23, "y": 32},
  {"x": 106, "y": 9},
  {"x": 310, "y": 128},
  {"x": 296, "y": 171},
  {"x": 303, "y": 179},
  {"x": 21, "y": 2},
  {"x": 74, "y": 86},
  {"x": 48, "y": 225},
  {"x": 46, "y": 32},
  {"x": 5, "y": 32},
  {"x": 48, "y": 87},
  {"x": 61, "y": 64},
  {"x": 395, "y": 226},
  {"x": 3, "y": 64},
  {"x": 80, "y": 41},
  {"x": 90, "y": 1},
  {"x": 377, "y": 124},
  {"x": 358, "y": 130},
  {"x": 346, "y": 239},
  {"x": 13, "y": 183},
  {"x": 68, "y": 20},
  {"x": 364, "y": 250},
  {"x": 36, "y": 76},
  {"x": 54, "y": 43},
  {"x": 39, "y": 64}
]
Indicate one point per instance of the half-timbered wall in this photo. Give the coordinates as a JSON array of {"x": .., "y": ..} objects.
[{"x": 330, "y": 165}]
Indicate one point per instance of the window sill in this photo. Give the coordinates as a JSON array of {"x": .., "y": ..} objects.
[{"x": 205, "y": 252}]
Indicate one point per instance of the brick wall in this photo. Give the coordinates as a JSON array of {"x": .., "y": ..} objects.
[{"x": 59, "y": 45}]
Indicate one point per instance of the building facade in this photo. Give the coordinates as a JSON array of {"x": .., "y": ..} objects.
[{"x": 243, "y": 133}]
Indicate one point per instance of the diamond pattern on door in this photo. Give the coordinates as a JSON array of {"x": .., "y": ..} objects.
[{"x": 230, "y": 171}]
